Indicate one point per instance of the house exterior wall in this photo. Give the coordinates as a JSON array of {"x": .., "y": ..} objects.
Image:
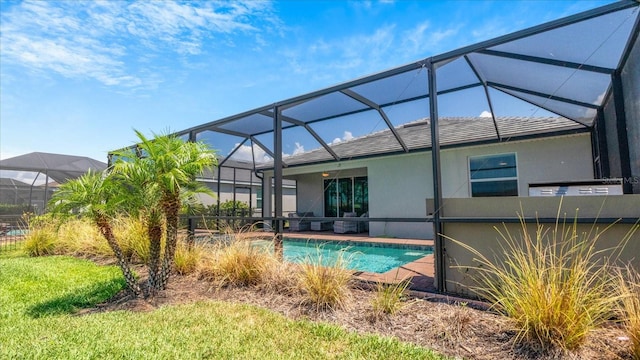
[
  {"x": 550, "y": 159},
  {"x": 404, "y": 182},
  {"x": 311, "y": 187},
  {"x": 400, "y": 185}
]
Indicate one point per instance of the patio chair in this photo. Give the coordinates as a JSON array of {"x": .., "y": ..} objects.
[
  {"x": 300, "y": 221},
  {"x": 343, "y": 227}
]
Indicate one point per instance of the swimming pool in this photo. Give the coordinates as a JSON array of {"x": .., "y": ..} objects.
[
  {"x": 16, "y": 232},
  {"x": 369, "y": 257}
]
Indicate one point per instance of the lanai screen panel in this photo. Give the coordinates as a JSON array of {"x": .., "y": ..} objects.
[
  {"x": 251, "y": 124},
  {"x": 572, "y": 84},
  {"x": 559, "y": 69},
  {"x": 324, "y": 106},
  {"x": 395, "y": 89},
  {"x": 456, "y": 74},
  {"x": 597, "y": 41},
  {"x": 580, "y": 114}
]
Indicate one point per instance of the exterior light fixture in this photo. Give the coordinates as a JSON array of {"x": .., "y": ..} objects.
[{"x": 325, "y": 174}]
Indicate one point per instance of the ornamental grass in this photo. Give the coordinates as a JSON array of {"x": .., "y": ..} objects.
[{"x": 554, "y": 283}]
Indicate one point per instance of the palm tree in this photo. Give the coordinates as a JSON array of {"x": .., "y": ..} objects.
[
  {"x": 96, "y": 196},
  {"x": 165, "y": 168}
]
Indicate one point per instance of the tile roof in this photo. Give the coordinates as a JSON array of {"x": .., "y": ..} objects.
[{"x": 453, "y": 131}]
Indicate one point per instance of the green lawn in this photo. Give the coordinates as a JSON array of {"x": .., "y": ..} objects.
[{"x": 38, "y": 298}]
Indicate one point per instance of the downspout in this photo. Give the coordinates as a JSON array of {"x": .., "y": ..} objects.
[{"x": 438, "y": 230}]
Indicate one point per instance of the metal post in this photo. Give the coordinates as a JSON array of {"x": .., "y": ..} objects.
[
  {"x": 46, "y": 191},
  {"x": 250, "y": 193},
  {"x": 218, "y": 201},
  {"x": 621, "y": 123},
  {"x": 234, "y": 211},
  {"x": 277, "y": 176},
  {"x": 191, "y": 222},
  {"x": 437, "y": 182}
]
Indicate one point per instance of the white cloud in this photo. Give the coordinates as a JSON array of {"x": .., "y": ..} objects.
[
  {"x": 244, "y": 153},
  {"x": 422, "y": 39},
  {"x": 346, "y": 136},
  {"x": 330, "y": 61},
  {"x": 485, "y": 114},
  {"x": 98, "y": 39},
  {"x": 299, "y": 149}
]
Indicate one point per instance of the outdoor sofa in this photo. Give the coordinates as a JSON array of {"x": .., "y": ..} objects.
[
  {"x": 300, "y": 221},
  {"x": 343, "y": 227}
]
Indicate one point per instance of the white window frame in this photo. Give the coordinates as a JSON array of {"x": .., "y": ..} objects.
[{"x": 498, "y": 179}]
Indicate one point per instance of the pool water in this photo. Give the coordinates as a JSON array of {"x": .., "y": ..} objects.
[
  {"x": 361, "y": 257},
  {"x": 16, "y": 232}
]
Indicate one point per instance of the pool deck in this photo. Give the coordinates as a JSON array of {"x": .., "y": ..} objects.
[{"x": 420, "y": 271}]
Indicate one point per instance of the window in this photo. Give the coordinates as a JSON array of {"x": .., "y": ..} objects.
[
  {"x": 493, "y": 175},
  {"x": 346, "y": 195},
  {"x": 259, "y": 198}
]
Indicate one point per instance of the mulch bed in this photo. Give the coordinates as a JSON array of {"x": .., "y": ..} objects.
[{"x": 456, "y": 330}]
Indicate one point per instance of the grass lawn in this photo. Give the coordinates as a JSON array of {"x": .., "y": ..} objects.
[{"x": 39, "y": 296}]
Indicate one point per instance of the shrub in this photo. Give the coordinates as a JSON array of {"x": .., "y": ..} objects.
[
  {"x": 389, "y": 298},
  {"x": 325, "y": 284},
  {"x": 629, "y": 306},
  {"x": 10, "y": 209},
  {"x": 554, "y": 284}
]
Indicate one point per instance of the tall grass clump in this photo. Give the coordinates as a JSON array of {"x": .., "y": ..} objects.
[
  {"x": 554, "y": 283},
  {"x": 629, "y": 306},
  {"x": 187, "y": 257},
  {"x": 238, "y": 263},
  {"x": 42, "y": 237},
  {"x": 389, "y": 298},
  {"x": 279, "y": 277},
  {"x": 325, "y": 284},
  {"x": 80, "y": 236},
  {"x": 242, "y": 264},
  {"x": 233, "y": 259},
  {"x": 132, "y": 236}
]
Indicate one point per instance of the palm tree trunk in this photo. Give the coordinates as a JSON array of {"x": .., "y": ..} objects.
[
  {"x": 155, "y": 237},
  {"x": 171, "y": 208},
  {"x": 107, "y": 232}
]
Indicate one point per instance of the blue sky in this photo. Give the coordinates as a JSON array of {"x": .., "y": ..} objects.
[{"x": 76, "y": 77}]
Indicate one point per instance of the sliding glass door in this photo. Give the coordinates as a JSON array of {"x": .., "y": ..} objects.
[{"x": 346, "y": 195}]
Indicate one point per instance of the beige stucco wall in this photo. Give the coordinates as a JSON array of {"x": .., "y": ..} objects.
[
  {"x": 485, "y": 237},
  {"x": 399, "y": 185},
  {"x": 549, "y": 159}
]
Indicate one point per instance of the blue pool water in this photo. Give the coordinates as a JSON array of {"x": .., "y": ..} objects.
[
  {"x": 361, "y": 257},
  {"x": 16, "y": 232}
]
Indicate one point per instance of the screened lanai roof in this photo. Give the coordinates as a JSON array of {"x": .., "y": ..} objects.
[
  {"x": 58, "y": 167},
  {"x": 558, "y": 70}
]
